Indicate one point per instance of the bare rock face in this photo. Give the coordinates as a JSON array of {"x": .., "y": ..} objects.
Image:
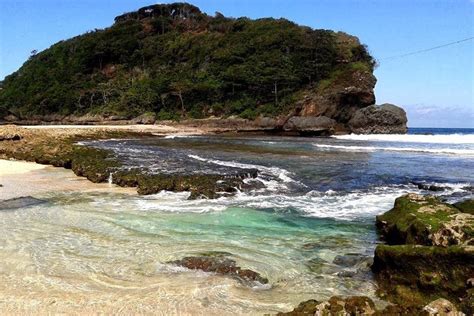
[
  {"x": 308, "y": 124},
  {"x": 342, "y": 96},
  {"x": 379, "y": 119}
]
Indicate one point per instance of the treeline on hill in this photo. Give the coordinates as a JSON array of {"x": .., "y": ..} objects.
[{"x": 177, "y": 62}]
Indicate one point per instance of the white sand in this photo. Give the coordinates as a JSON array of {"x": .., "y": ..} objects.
[
  {"x": 17, "y": 167},
  {"x": 19, "y": 178}
]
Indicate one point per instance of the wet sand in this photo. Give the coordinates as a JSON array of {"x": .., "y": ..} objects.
[{"x": 20, "y": 178}]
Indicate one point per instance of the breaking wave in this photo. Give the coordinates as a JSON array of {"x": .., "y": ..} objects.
[
  {"x": 452, "y": 151},
  {"x": 406, "y": 138}
]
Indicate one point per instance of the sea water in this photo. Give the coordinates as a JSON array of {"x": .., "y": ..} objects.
[{"x": 312, "y": 205}]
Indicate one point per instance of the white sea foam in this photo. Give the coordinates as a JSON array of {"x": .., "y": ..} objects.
[
  {"x": 280, "y": 173},
  {"x": 173, "y": 136},
  {"x": 453, "y": 151},
  {"x": 406, "y": 138},
  {"x": 329, "y": 204}
]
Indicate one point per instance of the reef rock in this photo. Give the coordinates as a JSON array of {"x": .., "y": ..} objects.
[
  {"x": 429, "y": 252},
  {"x": 221, "y": 265},
  {"x": 379, "y": 119},
  {"x": 425, "y": 220}
]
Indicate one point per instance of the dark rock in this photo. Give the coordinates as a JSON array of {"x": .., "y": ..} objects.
[
  {"x": 346, "y": 274},
  {"x": 383, "y": 119},
  {"x": 362, "y": 305},
  {"x": 416, "y": 274},
  {"x": 21, "y": 202},
  {"x": 336, "y": 305},
  {"x": 221, "y": 265},
  {"x": 349, "y": 260},
  {"x": 310, "y": 124},
  {"x": 430, "y": 187}
]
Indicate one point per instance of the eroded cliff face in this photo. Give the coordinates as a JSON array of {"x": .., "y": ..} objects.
[{"x": 345, "y": 101}]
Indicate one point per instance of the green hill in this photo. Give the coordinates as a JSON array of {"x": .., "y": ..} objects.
[{"x": 175, "y": 61}]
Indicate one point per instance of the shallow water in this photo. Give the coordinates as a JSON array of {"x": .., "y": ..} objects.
[{"x": 93, "y": 251}]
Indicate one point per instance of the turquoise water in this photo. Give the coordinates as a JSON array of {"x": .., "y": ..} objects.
[{"x": 308, "y": 226}]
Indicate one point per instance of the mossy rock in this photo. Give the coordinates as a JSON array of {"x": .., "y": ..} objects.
[
  {"x": 466, "y": 206},
  {"x": 92, "y": 163},
  {"x": 414, "y": 274},
  {"x": 336, "y": 305},
  {"x": 425, "y": 220}
]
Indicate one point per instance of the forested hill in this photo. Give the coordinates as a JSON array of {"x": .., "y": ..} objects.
[{"x": 175, "y": 61}]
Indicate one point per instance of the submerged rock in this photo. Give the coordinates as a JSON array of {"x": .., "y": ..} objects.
[
  {"x": 362, "y": 305},
  {"x": 379, "y": 119},
  {"x": 20, "y": 202},
  {"x": 336, "y": 305},
  {"x": 221, "y": 265}
]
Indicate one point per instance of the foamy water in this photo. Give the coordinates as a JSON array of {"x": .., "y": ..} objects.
[{"x": 407, "y": 138}]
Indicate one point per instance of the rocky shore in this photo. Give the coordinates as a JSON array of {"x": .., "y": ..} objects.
[
  {"x": 59, "y": 147},
  {"x": 424, "y": 267}
]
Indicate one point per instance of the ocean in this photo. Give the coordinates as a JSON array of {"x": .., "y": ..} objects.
[{"x": 307, "y": 222}]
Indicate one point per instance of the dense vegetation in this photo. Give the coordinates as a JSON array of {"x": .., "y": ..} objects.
[{"x": 177, "y": 62}]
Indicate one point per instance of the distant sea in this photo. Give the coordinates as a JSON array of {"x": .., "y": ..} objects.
[{"x": 439, "y": 131}]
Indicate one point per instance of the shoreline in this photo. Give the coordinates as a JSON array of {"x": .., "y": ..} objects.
[{"x": 19, "y": 179}]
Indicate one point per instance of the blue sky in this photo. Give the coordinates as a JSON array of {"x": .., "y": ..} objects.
[{"x": 435, "y": 88}]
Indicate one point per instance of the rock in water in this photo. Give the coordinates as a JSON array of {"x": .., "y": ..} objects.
[
  {"x": 20, "y": 202},
  {"x": 425, "y": 220},
  {"x": 221, "y": 265},
  {"x": 379, "y": 119},
  {"x": 429, "y": 252},
  {"x": 336, "y": 305}
]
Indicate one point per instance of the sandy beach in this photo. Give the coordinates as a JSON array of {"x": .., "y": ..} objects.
[{"x": 21, "y": 178}]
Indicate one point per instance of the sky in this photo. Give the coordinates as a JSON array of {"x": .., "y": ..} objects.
[{"x": 435, "y": 87}]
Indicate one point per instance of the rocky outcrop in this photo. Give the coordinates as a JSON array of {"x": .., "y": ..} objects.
[
  {"x": 429, "y": 252},
  {"x": 10, "y": 133},
  {"x": 221, "y": 265},
  {"x": 362, "y": 305},
  {"x": 146, "y": 118},
  {"x": 320, "y": 125},
  {"x": 379, "y": 119},
  {"x": 425, "y": 220},
  {"x": 99, "y": 165},
  {"x": 339, "y": 97}
]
